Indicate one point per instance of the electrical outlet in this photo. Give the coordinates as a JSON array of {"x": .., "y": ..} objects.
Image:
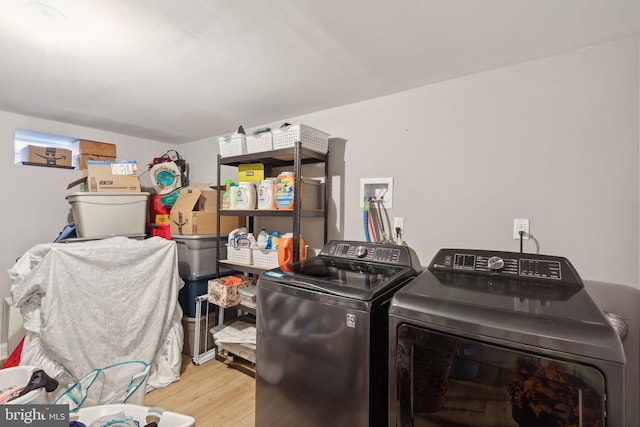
[
  {"x": 398, "y": 222},
  {"x": 521, "y": 224}
]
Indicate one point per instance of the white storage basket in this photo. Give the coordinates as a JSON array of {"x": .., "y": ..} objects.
[
  {"x": 310, "y": 138},
  {"x": 260, "y": 142},
  {"x": 137, "y": 412},
  {"x": 242, "y": 255},
  {"x": 19, "y": 376},
  {"x": 232, "y": 145},
  {"x": 267, "y": 258}
]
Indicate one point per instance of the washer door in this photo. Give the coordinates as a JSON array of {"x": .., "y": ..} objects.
[{"x": 445, "y": 380}]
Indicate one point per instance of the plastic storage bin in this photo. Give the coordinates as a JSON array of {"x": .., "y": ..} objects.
[
  {"x": 232, "y": 145},
  {"x": 240, "y": 254},
  {"x": 248, "y": 296},
  {"x": 267, "y": 258},
  {"x": 138, "y": 412},
  {"x": 311, "y": 138},
  {"x": 260, "y": 142},
  {"x": 189, "y": 327},
  {"x": 197, "y": 254},
  {"x": 20, "y": 375},
  {"x": 194, "y": 287},
  {"x": 109, "y": 214}
]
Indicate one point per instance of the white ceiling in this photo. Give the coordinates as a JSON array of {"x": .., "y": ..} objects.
[{"x": 178, "y": 71}]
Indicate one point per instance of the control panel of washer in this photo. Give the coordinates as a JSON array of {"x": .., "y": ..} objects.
[
  {"x": 507, "y": 264},
  {"x": 370, "y": 252}
]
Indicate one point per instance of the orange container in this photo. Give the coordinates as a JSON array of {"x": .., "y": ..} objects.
[{"x": 285, "y": 249}]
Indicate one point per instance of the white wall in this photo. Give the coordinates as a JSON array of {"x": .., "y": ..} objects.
[
  {"x": 34, "y": 208},
  {"x": 554, "y": 140}
]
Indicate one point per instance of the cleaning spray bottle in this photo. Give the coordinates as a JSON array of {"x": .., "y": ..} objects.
[{"x": 227, "y": 195}]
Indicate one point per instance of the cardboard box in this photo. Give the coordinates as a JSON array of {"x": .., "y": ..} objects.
[
  {"x": 84, "y": 158},
  {"x": 226, "y": 295},
  {"x": 195, "y": 212},
  {"x": 250, "y": 172},
  {"x": 94, "y": 150},
  {"x": 83, "y": 146},
  {"x": 46, "y": 156},
  {"x": 109, "y": 177}
]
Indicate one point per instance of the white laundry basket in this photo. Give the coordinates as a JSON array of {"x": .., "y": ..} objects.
[
  {"x": 137, "y": 412},
  {"x": 20, "y": 375}
]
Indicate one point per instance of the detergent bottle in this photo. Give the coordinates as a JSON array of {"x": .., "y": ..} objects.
[
  {"x": 283, "y": 192},
  {"x": 245, "y": 196},
  {"x": 285, "y": 249},
  {"x": 273, "y": 241},
  {"x": 266, "y": 196},
  {"x": 235, "y": 235},
  {"x": 263, "y": 237}
]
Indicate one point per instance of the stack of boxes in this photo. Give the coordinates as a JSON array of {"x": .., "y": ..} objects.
[
  {"x": 193, "y": 227},
  {"x": 110, "y": 201},
  {"x": 93, "y": 150}
]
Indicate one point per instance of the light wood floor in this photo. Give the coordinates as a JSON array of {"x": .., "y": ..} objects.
[{"x": 215, "y": 394}]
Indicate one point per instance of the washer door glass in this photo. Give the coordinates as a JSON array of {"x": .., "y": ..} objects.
[{"x": 444, "y": 380}]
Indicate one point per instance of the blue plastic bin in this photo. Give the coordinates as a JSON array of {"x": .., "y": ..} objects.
[{"x": 194, "y": 287}]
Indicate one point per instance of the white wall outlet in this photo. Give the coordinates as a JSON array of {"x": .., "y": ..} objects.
[
  {"x": 398, "y": 222},
  {"x": 521, "y": 224}
]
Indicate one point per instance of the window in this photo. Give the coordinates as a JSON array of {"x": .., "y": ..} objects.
[{"x": 25, "y": 138}]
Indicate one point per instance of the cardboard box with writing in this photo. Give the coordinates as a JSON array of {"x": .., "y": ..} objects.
[
  {"x": 195, "y": 211},
  {"x": 46, "y": 156},
  {"x": 94, "y": 150},
  {"x": 109, "y": 177}
]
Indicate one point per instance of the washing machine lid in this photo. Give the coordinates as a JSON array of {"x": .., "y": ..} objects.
[
  {"x": 352, "y": 269},
  {"x": 349, "y": 279},
  {"x": 532, "y": 299}
]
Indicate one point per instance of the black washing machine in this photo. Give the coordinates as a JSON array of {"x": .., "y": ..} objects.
[
  {"x": 322, "y": 336},
  {"x": 489, "y": 338}
]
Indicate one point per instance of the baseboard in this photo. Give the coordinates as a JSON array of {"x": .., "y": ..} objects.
[{"x": 4, "y": 351}]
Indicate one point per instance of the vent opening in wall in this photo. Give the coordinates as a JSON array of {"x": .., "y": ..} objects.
[{"x": 43, "y": 149}]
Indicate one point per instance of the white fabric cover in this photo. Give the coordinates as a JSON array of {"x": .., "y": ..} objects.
[{"x": 92, "y": 304}]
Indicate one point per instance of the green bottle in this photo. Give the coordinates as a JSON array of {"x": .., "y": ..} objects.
[{"x": 226, "y": 196}]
